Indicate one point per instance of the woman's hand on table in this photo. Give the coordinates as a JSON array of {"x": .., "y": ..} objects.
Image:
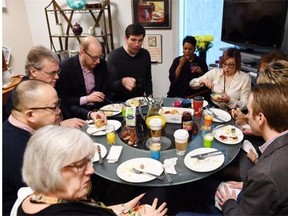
[{"x": 73, "y": 122}]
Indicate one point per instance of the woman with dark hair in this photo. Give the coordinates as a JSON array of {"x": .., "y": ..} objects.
[
  {"x": 184, "y": 68},
  {"x": 231, "y": 85}
]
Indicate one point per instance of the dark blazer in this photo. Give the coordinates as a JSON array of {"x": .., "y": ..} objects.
[
  {"x": 265, "y": 191},
  {"x": 71, "y": 86}
]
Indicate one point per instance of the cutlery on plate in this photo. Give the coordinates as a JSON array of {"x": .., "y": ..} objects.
[
  {"x": 97, "y": 131},
  {"x": 215, "y": 115},
  {"x": 99, "y": 154},
  {"x": 147, "y": 173},
  {"x": 207, "y": 154},
  {"x": 108, "y": 110}
]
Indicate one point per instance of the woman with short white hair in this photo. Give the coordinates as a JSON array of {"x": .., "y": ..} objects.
[{"x": 57, "y": 166}]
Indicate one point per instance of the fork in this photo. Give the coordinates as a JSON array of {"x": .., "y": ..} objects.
[
  {"x": 142, "y": 172},
  {"x": 202, "y": 157},
  {"x": 167, "y": 175}
]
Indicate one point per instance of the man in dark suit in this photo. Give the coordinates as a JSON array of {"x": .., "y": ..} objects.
[
  {"x": 82, "y": 83},
  {"x": 264, "y": 192}
]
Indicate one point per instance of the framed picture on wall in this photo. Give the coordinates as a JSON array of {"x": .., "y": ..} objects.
[
  {"x": 153, "y": 43},
  {"x": 154, "y": 14}
]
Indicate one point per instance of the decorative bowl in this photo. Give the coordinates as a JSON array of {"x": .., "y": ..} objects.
[{"x": 76, "y": 4}]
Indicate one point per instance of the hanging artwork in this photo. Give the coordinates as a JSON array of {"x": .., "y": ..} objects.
[{"x": 152, "y": 14}]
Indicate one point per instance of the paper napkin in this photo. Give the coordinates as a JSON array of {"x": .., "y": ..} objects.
[
  {"x": 221, "y": 187},
  {"x": 248, "y": 145},
  {"x": 114, "y": 154},
  {"x": 169, "y": 165}
]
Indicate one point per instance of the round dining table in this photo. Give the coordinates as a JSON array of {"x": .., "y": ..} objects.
[{"x": 184, "y": 175}]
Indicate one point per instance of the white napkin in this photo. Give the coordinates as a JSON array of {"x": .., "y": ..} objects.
[
  {"x": 221, "y": 187},
  {"x": 248, "y": 145},
  {"x": 114, "y": 154},
  {"x": 169, "y": 165}
]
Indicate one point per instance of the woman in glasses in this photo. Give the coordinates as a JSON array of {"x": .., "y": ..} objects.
[
  {"x": 230, "y": 86},
  {"x": 57, "y": 168}
]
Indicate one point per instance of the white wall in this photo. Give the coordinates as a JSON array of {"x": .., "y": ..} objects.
[
  {"x": 36, "y": 31},
  {"x": 16, "y": 33}
]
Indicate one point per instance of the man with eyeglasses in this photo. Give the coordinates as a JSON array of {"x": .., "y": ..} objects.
[
  {"x": 129, "y": 67},
  {"x": 43, "y": 64},
  {"x": 82, "y": 83},
  {"x": 35, "y": 104}
]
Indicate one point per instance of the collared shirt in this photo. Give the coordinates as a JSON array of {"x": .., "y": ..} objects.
[
  {"x": 263, "y": 147},
  {"x": 20, "y": 124},
  {"x": 89, "y": 82}
]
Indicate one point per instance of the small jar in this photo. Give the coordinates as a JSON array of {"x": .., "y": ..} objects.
[
  {"x": 187, "y": 122},
  {"x": 186, "y": 103}
]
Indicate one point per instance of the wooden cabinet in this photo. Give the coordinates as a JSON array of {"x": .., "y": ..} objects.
[{"x": 64, "y": 18}]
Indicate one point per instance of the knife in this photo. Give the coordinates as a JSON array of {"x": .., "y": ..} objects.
[
  {"x": 205, "y": 154},
  {"x": 215, "y": 115},
  {"x": 108, "y": 110},
  {"x": 99, "y": 154}
]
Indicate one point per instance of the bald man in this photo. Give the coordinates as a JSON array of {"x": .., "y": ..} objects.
[
  {"x": 82, "y": 83},
  {"x": 35, "y": 104}
]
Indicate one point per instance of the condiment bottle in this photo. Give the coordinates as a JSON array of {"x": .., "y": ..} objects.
[{"x": 187, "y": 122}]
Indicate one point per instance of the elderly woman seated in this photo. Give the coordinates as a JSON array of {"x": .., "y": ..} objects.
[{"x": 57, "y": 166}]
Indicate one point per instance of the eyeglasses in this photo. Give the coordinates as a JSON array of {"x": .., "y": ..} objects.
[
  {"x": 54, "y": 109},
  {"x": 81, "y": 167},
  {"x": 53, "y": 73},
  {"x": 230, "y": 65},
  {"x": 94, "y": 58}
]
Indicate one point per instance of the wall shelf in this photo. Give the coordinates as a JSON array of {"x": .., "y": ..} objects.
[{"x": 100, "y": 17}]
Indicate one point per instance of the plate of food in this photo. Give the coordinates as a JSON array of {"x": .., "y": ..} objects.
[
  {"x": 207, "y": 164},
  {"x": 136, "y": 102},
  {"x": 219, "y": 115},
  {"x": 229, "y": 135},
  {"x": 149, "y": 165},
  {"x": 112, "y": 109},
  {"x": 98, "y": 128},
  {"x": 102, "y": 149}
]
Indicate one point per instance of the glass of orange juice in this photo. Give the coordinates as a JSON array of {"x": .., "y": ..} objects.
[
  {"x": 208, "y": 118},
  {"x": 110, "y": 134}
]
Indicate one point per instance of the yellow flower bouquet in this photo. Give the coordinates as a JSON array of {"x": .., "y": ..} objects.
[{"x": 204, "y": 42}]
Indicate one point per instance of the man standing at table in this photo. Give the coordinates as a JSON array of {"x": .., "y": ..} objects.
[
  {"x": 265, "y": 190},
  {"x": 129, "y": 67},
  {"x": 82, "y": 83}
]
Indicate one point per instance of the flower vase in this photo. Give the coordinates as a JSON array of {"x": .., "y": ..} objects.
[{"x": 203, "y": 54}]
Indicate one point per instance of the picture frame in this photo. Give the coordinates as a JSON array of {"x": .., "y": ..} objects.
[
  {"x": 154, "y": 14},
  {"x": 153, "y": 43},
  {"x": 7, "y": 54}
]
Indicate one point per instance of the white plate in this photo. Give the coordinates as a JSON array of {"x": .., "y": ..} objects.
[
  {"x": 226, "y": 131},
  {"x": 92, "y": 128},
  {"x": 205, "y": 103},
  {"x": 135, "y": 101},
  {"x": 103, "y": 152},
  {"x": 206, "y": 165},
  {"x": 124, "y": 170},
  {"x": 113, "y": 107},
  {"x": 223, "y": 115}
]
